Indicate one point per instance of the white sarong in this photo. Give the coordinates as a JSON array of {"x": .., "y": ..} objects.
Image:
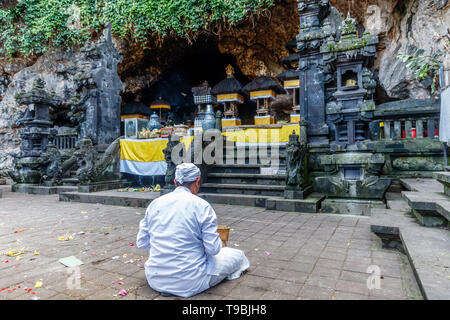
[{"x": 229, "y": 264}]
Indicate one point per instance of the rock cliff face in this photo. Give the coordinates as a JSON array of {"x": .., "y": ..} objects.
[
  {"x": 403, "y": 26},
  {"x": 49, "y": 67},
  {"x": 84, "y": 80},
  {"x": 257, "y": 45}
]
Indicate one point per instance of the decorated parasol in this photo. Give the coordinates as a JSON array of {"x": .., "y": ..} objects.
[{"x": 160, "y": 104}]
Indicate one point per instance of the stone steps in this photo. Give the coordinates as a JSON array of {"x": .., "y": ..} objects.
[
  {"x": 241, "y": 182},
  {"x": 245, "y": 160},
  {"x": 72, "y": 181},
  {"x": 443, "y": 208},
  {"x": 247, "y": 189},
  {"x": 243, "y": 178},
  {"x": 42, "y": 190},
  {"x": 236, "y": 168},
  {"x": 430, "y": 208},
  {"x": 241, "y": 155},
  {"x": 309, "y": 205}
]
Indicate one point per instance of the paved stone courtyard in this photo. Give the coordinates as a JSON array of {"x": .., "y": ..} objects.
[{"x": 292, "y": 256}]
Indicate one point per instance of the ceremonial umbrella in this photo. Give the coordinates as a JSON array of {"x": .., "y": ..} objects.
[{"x": 160, "y": 104}]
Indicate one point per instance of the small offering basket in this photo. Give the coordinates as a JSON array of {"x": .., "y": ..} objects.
[{"x": 224, "y": 233}]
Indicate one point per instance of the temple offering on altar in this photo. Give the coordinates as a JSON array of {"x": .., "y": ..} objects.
[
  {"x": 144, "y": 134},
  {"x": 135, "y": 116},
  {"x": 263, "y": 90},
  {"x": 181, "y": 130},
  {"x": 229, "y": 93},
  {"x": 155, "y": 133},
  {"x": 166, "y": 131}
]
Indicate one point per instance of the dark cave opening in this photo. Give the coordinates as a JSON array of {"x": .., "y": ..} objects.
[{"x": 194, "y": 64}]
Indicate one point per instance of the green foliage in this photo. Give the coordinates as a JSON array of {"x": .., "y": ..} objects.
[
  {"x": 33, "y": 26},
  {"x": 424, "y": 66}
]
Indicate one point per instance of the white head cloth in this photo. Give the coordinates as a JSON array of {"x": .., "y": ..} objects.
[{"x": 186, "y": 172}]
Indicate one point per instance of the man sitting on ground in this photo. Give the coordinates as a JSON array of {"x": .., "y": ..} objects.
[{"x": 180, "y": 229}]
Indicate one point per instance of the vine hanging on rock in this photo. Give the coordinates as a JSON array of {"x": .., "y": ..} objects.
[
  {"x": 33, "y": 26},
  {"x": 423, "y": 66}
]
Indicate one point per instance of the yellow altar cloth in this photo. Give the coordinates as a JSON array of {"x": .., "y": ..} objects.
[
  {"x": 145, "y": 156},
  {"x": 262, "y": 135}
]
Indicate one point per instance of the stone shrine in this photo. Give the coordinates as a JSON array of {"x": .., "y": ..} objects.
[
  {"x": 354, "y": 170},
  {"x": 229, "y": 93},
  {"x": 29, "y": 165}
]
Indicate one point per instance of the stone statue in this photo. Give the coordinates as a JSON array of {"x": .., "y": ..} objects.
[
  {"x": 86, "y": 157},
  {"x": 295, "y": 156},
  {"x": 219, "y": 120},
  {"x": 170, "y": 173},
  {"x": 51, "y": 165},
  {"x": 16, "y": 174}
]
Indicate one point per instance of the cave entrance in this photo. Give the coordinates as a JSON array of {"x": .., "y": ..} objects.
[{"x": 195, "y": 64}]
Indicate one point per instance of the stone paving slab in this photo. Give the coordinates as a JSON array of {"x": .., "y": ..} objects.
[
  {"x": 292, "y": 255},
  {"x": 428, "y": 250}
]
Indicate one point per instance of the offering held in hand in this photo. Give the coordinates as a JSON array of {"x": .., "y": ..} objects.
[{"x": 224, "y": 233}]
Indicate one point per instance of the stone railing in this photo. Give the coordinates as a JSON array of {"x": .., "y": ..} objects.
[
  {"x": 407, "y": 119},
  {"x": 65, "y": 141},
  {"x": 408, "y": 138}
]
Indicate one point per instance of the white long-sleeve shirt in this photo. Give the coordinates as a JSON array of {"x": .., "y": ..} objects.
[{"x": 180, "y": 229}]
